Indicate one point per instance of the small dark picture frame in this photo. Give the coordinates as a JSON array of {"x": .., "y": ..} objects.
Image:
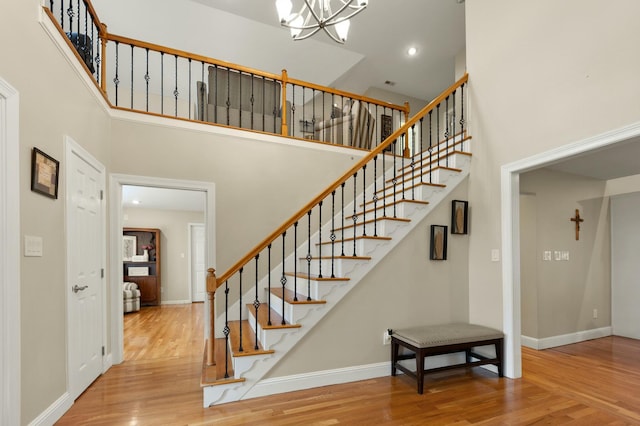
[
  {"x": 459, "y": 217},
  {"x": 438, "y": 247},
  {"x": 44, "y": 174}
]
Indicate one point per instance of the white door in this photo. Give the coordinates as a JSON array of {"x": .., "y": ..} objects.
[
  {"x": 198, "y": 263},
  {"x": 85, "y": 240}
]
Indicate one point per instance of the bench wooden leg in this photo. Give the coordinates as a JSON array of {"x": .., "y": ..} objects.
[
  {"x": 420, "y": 370},
  {"x": 395, "y": 347}
]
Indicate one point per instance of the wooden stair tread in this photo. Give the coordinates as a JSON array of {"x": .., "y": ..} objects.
[
  {"x": 289, "y": 296},
  {"x": 378, "y": 219},
  {"x": 314, "y": 277},
  {"x": 389, "y": 206},
  {"x": 248, "y": 340},
  {"x": 359, "y": 237},
  {"x": 263, "y": 317},
  {"x": 214, "y": 375},
  {"x": 418, "y": 174},
  {"x": 339, "y": 257},
  {"x": 388, "y": 191}
]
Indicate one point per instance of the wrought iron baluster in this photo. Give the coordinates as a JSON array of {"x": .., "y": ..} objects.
[
  {"x": 309, "y": 257},
  {"x": 431, "y": 146},
  {"x": 51, "y": 5},
  {"x": 364, "y": 203},
  {"x": 175, "y": 91},
  {"x": 214, "y": 89},
  {"x": 462, "y": 116},
  {"x": 375, "y": 195},
  {"x": 355, "y": 216},
  {"x": 332, "y": 237},
  {"x": 241, "y": 349},
  {"x": 320, "y": 239},
  {"x": 283, "y": 280},
  {"x": 162, "y": 83},
  {"x": 304, "y": 115},
  {"x": 147, "y": 78},
  {"x": 403, "y": 142},
  {"x": 269, "y": 284},
  {"x": 256, "y": 302},
  {"x": 264, "y": 99},
  {"x": 421, "y": 149},
  {"x": 132, "y": 76},
  {"x": 276, "y": 102},
  {"x": 384, "y": 183},
  {"x": 453, "y": 118},
  {"x": 413, "y": 163},
  {"x": 438, "y": 132},
  {"x": 203, "y": 94},
  {"x": 98, "y": 59},
  {"x": 116, "y": 80},
  {"x": 295, "y": 257},
  {"x": 395, "y": 176},
  {"x": 228, "y": 103},
  {"x": 293, "y": 108},
  {"x": 342, "y": 216},
  {"x": 226, "y": 329},
  {"x": 252, "y": 99},
  {"x": 70, "y": 14},
  {"x": 78, "y": 23},
  {"x": 446, "y": 132},
  {"x": 239, "y": 98},
  {"x": 189, "y": 108}
]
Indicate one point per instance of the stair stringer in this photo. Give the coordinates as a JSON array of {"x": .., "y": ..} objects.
[{"x": 262, "y": 364}]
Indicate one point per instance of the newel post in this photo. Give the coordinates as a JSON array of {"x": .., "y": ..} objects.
[
  {"x": 103, "y": 69},
  {"x": 211, "y": 294},
  {"x": 406, "y": 152},
  {"x": 285, "y": 127}
]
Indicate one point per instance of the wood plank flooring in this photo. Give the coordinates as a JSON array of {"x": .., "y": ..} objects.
[{"x": 591, "y": 383}]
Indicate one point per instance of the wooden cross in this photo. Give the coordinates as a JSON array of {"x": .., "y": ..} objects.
[{"x": 577, "y": 219}]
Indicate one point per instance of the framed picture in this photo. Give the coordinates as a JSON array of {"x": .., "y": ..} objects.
[
  {"x": 128, "y": 247},
  {"x": 459, "y": 217},
  {"x": 386, "y": 126},
  {"x": 438, "y": 249},
  {"x": 44, "y": 174}
]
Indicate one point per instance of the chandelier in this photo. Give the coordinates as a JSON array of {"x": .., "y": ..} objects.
[{"x": 332, "y": 16}]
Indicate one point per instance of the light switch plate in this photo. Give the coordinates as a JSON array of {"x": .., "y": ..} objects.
[
  {"x": 32, "y": 246},
  {"x": 495, "y": 255}
]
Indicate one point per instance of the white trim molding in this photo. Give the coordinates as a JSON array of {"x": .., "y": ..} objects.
[
  {"x": 9, "y": 255},
  {"x": 566, "y": 339},
  {"x": 54, "y": 412},
  {"x": 318, "y": 378},
  {"x": 510, "y": 187}
]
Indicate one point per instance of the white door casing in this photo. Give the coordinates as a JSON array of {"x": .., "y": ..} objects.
[
  {"x": 9, "y": 256},
  {"x": 85, "y": 214},
  {"x": 197, "y": 262},
  {"x": 116, "y": 182}
]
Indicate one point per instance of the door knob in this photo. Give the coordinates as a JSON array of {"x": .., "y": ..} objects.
[{"x": 77, "y": 288}]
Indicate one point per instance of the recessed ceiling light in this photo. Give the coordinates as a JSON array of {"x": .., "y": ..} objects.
[
  {"x": 412, "y": 51},
  {"x": 135, "y": 201}
]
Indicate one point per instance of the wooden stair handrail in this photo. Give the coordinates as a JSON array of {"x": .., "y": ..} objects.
[{"x": 286, "y": 225}]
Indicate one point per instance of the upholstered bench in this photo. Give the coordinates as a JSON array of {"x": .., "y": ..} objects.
[{"x": 430, "y": 340}]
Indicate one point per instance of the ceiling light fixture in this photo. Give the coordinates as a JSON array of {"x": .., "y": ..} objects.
[
  {"x": 412, "y": 51},
  {"x": 332, "y": 16}
]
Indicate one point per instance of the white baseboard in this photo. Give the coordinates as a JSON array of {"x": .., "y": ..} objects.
[
  {"x": 565, "y": 339},
  {"x": 54, "y": 412},
  {"x": 175, "y": 302},
  {"x": 318, "y": 378},
  {"x": 107, "y": 362}
]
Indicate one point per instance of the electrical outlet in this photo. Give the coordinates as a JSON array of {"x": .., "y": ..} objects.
[{"x": 386, "y": 338}]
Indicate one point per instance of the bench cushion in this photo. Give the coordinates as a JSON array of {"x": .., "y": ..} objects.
[{"x": 428, "y": 336}]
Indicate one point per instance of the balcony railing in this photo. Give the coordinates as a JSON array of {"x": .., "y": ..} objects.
[{"x": 153, "y": 79}]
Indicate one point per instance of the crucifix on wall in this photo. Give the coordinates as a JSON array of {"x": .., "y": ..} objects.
[{"x": 577, "y": 219}]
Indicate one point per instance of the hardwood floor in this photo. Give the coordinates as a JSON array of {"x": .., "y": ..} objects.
[{"x": 591, "y": 383}]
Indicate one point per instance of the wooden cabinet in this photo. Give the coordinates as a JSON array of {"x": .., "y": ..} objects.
[{"x": 134, "y": 271}]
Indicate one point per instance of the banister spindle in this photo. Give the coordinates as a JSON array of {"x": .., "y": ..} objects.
[
  {"x": 462, "y": 116},
  {"x": 211, "y": 299},
  {"x": 70, "y": 14},
  {"x": 116, "y": 80},
  {"x": 161, "y": 82},
  {"x": 453, "y": 118},
  {"x": 446, "y": 132},
  {"x": 413, "y": 162},
  {"x": 431, "y": 146},
  {"x": 256, "y": 302},
  {"x": 332, "y": 237},
  {"x": 62, "y": 14},
  {"x": 228, "y": 103},
  {"x": 240, "y": 349},
  {"x": 283, "y": 280},
  {"x": 364, "y": 203},
  {"x": 309, "y": 258},
  {"x": 189, "y": 109},
  {"x": 147, "y": 78},
  {"x": 214, "y": 90},
  {"x": 355, "y": 215},
  {"x": 421, "y": 149},
  {"x": 405, "y": 149},
  {"x": 293, "y": 107},
  {"x": 252, "y": 98},
  {"x": 269, "y": 284},
  {"x": 320, "y": 239},
  {"x": 395, "y": 176},
  {"x": 175, "y": 91},
  {"x": 226, "y": 329},
  {"x": 264, "y": 99},
  {"x": 276, "y": 102},
  {"x": 295, "y": 257},
  {"x": 239, "y": 98},
  {"x": 384, "y": 183},
  {"x": 438, "y": 132},
  {"x": 342, "y": 185},
  {"x": 375, "y": 196},
  {"x": 78, "y": 23},
  {"x": 132, "y": 76}
]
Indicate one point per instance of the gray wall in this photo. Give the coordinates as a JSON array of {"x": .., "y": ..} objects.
[
  {"x": 174, "y": 234},
  {"x": 558, "y": 297}
]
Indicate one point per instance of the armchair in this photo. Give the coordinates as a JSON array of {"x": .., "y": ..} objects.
[{"x": 354, "y": 128}]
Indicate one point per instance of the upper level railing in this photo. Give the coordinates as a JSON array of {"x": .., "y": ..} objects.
[{"x": 153, "y": 79}]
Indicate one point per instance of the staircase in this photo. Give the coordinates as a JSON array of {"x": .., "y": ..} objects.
[{"x": 290, "y": 282}]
